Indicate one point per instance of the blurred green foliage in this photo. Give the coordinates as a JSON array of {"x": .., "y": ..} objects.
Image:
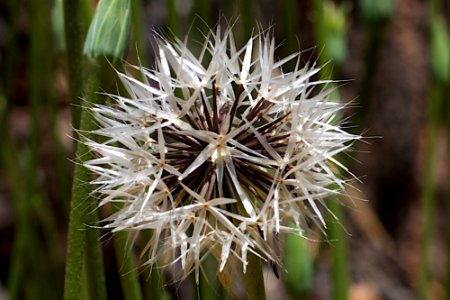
[{"x": 440, "y": 49}]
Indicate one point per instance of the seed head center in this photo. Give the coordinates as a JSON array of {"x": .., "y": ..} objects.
[{"x": 221, "y": 149}]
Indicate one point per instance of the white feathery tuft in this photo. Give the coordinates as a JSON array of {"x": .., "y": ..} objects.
[{"x": 217, "y": 153}]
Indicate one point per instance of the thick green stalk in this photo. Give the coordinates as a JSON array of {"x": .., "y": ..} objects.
[
  {"x": 82, "y": 212},
  {"x": 74, "y": 32},
  {"x": 253, "y": 279},
  {"x": 93, "y": 254},
  {"x": 75, "y": 27}
]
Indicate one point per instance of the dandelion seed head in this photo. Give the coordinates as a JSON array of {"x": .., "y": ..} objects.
[{"x": 216, "y": 153}]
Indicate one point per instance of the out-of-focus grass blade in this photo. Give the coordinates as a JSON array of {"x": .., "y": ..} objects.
[
  {"x": 440, "y": 50},
  {"x": 172, "y": 17},
  {"x": 59, "y": 38},
  {"x": 333, "y": 31},
  {"x": 110, "y": 29}
]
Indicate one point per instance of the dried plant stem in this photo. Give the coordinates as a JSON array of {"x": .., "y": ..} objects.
[{"x": 253, "y": 279}]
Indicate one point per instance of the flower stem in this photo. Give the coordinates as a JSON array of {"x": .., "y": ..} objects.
[
  {"x": 340, "y": 273},
  {"x": 253, "y": 279},
  {"x": 137, "y": 25},
  {"x": 82, "y": 212},
  {"x": 127, "y": 266},
  {"x": 74, "y": 23},
  {"x": 172, "y": 17},
  {"x": 129, "y": 277},
  {"x": 429, "y": 190}
]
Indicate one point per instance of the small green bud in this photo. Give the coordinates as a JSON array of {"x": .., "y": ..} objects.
[
  {"x": 440, "y": 50},
  {"x": 109, "y": 31}
]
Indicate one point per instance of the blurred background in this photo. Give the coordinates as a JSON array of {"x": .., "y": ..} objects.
[{"x": 393, "y": 59}]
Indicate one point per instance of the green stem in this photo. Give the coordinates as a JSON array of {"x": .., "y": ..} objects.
[
  {"x": 253, "y": 279},
  {"x": 74, "y": 22},
  {"x": 201, "y": 9},
  {"x": 248, "y": 17},
  {"x": 291, "y": 26},
  {"x": 172, "y": 17},
  {"x": 74, "y": 26},
  {"x": 429, "y": 190},
  {"x": 154, "y": 289},
  {"x": 10, "y": 69},
  {"x": 209, "y": 285},
  {"x": 448, "y": 198},
  {"x": 376, "y": 34},
  {"x": 127, "y": 267},
  {"x": 82, "y": 212},
  {"x": 129, "y": 277},
  {"x": 22, "y": 231},
  {"x": 93, "y": 255},
  {"x": 137, "y": 24},
  {"x": 30, "y": 199},
  {"x": 339, "y": 272}
]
